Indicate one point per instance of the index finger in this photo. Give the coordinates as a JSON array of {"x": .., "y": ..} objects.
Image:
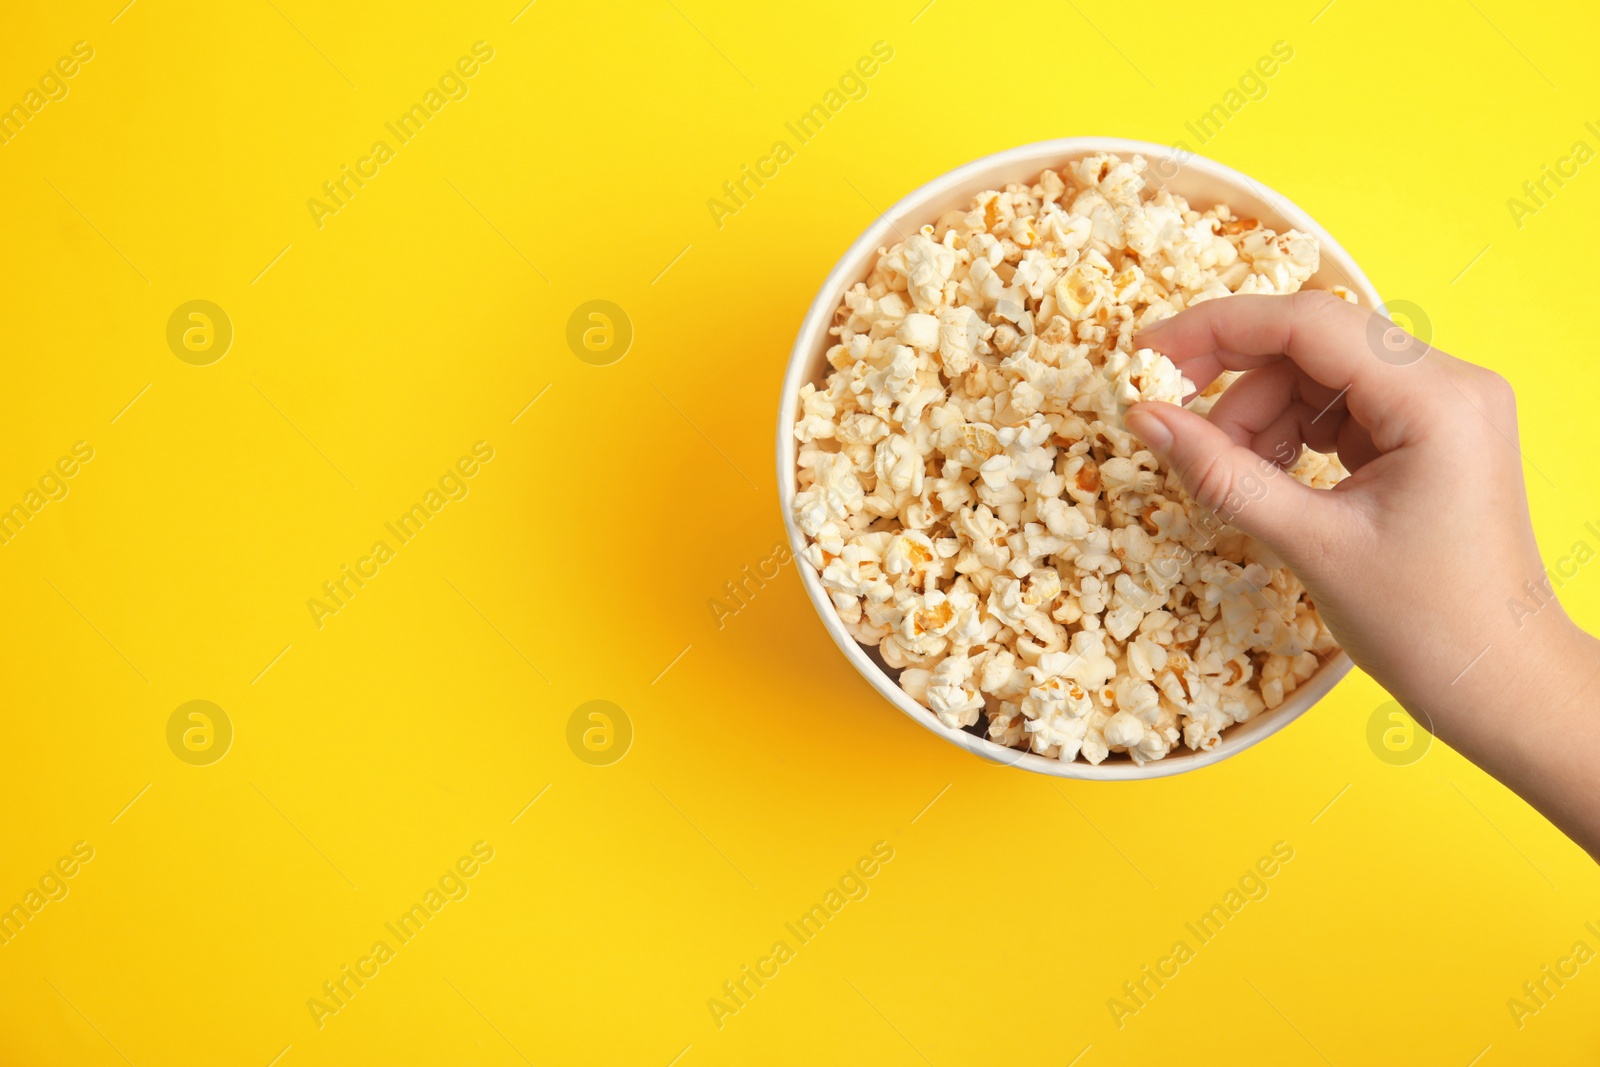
[{"x": 1328, "y": 338}]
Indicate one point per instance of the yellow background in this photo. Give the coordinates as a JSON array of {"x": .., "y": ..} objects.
[{"x": 370, "y": 753}]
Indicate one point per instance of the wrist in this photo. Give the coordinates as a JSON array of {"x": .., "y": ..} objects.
[
  {"x": 1502, "y": 690},
  {"x": 1571, "y": 672}
]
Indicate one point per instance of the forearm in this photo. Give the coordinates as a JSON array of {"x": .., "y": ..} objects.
[{"x": 1526, "y": 712}]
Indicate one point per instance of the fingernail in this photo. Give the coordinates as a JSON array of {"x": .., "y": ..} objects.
[{"x": 1149, "y": 429}]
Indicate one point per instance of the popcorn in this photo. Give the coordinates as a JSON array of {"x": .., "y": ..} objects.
[
  {"x": 919, "y": 331},
  {"x": 979, "y": 514}
]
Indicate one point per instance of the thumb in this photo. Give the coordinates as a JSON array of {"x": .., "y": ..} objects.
[{"x": 1246, "y": 491}]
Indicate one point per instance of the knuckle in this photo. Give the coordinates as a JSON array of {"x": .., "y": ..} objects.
[
  {"x": 1320, "y": 306},
  {"x": 1211, "y": 482},
  {"x": 1316, "y": 301},
  {"x": 1491, "y": 391},
  {"x": 1498, "y": 389},
  {"x": 1317, "y": 310}
]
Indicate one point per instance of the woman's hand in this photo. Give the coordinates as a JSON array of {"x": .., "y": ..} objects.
[{"x": 1419, "y": 560}]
